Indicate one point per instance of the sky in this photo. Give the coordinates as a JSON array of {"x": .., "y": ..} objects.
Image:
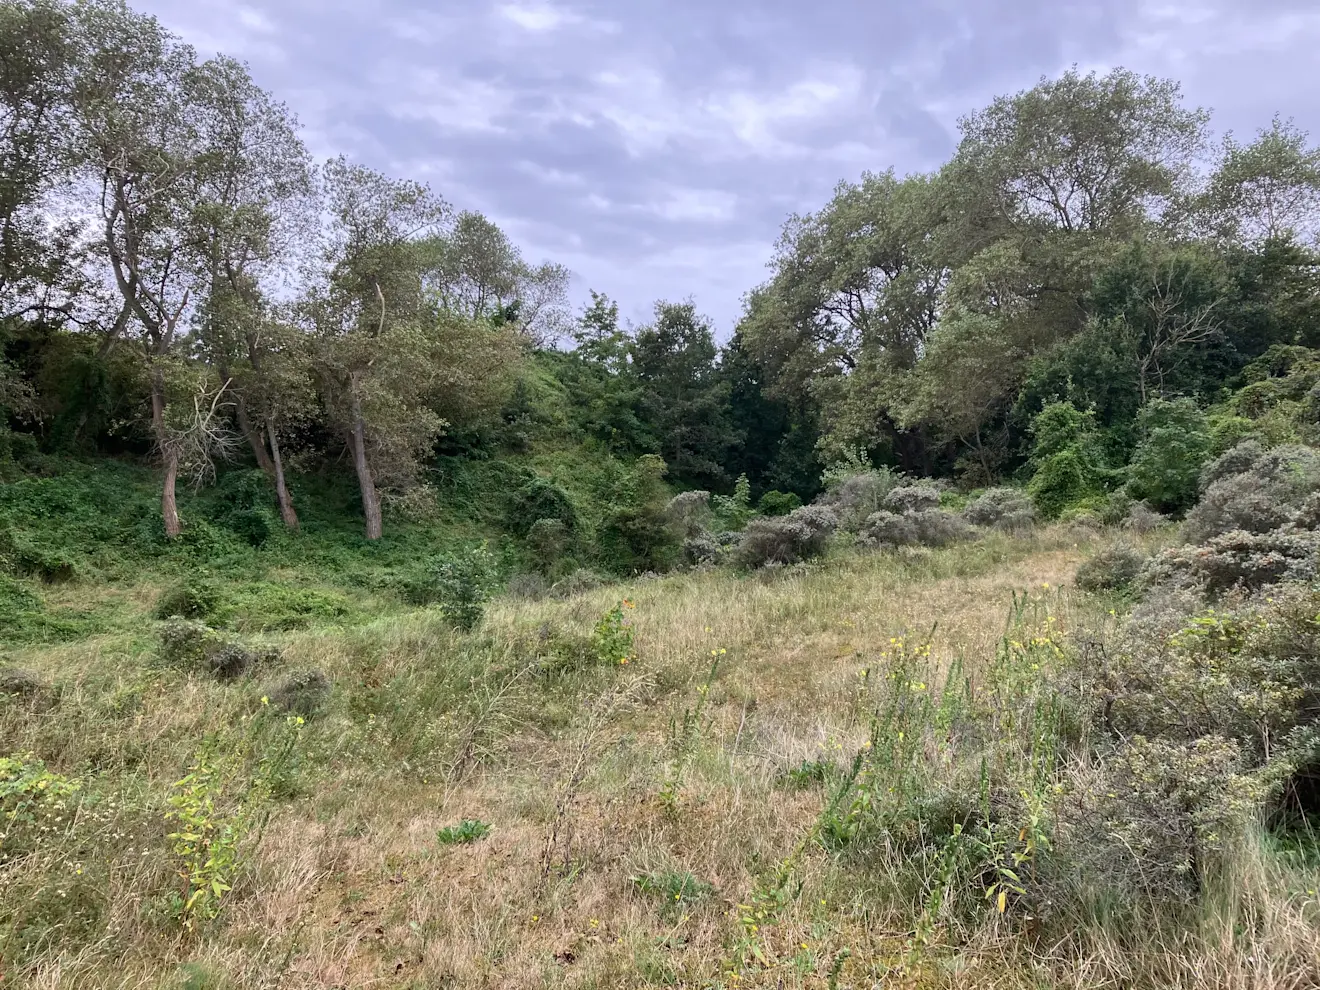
[{"x": 655, "y": 147}]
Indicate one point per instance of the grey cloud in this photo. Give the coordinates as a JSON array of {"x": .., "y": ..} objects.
[{"x": 656, "y": 146}]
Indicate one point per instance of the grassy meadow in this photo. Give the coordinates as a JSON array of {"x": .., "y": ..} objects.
[{"x": 803, "y": 777}]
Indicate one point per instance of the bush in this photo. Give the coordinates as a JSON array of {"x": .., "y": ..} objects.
[
  {"x": 1204, "y": 717},
  {"x": 229, "y": 660},
  {"x": 1141, "y": 518},
  {"x": 538, "y": 499},
  {"x": 1165, "y": 469},
  {"x": 548, "y": 540},
  {"x": 304, "y": 692},
  {"x": 1006, "y": 509},
  {"x": 192, "y": 598},
  {"x": 528, "y": 586},
  {"x": 1267, "y": 494},
  {"x": 20, "y": 683},
  {"x": 702, "y": 549},
  {"x": 912, "y": 498},
  {"x": 184, "y": 643},
  {"x": 1237, "y": 559},
  {"x": 1235, "y": 461},
  {"x": 690, "y": 513},
  {"x": 467, "y": 831},
  {"x": 777, "y": 503},
  {"x": 928, "y": 528},
  {"x": 577, "y": 583},
  {"x": 854, "y": 498},
  {"x": 1067, "y": 460},
  {"x": 801, "y": 535},
  {"x": 24, "y": 557},
  {"x": 1114, "y": 568},
  {"x": 462, "y": 584}
]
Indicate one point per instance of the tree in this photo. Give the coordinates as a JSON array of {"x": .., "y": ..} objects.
[
  {"x": 373, "y": 355},
  {"x": 252, "y": 208},
  {"x": 1081, "y": 153},
  {"x": 476, "y": 271},
  {"x": 139, "y": 102},
  {"x": 1268, "y": 190},
  {"x": 37, "y": 72},
  {"x": 681, "y": 395}
]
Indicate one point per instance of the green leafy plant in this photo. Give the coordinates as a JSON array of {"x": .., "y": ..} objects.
[
  {"x": 684, "y": 735},
  {"x": 612, "y": 638},
  {"x": 467, "y": 831}
]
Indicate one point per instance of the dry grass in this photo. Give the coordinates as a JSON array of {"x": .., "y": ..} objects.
[{"x": 348, "y": 886}]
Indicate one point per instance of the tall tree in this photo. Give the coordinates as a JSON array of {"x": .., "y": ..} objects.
[
  {"x": 682, "y": 396},
  {"x": 373, "y": 355},
  {"x": 253, "y": 207},
  {"x": 139, "y": 104}
]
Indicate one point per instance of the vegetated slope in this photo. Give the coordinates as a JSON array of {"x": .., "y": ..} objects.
[{"x": 819, "y": 775}]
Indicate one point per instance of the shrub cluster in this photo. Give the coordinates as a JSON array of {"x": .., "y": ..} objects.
[
  {"x": 926, "y": 528},
  {"x": 1114, "y": 568},
  {"x": 801, "y": 535},
  {"x": 1006, "y": 509},
  {"x": 1237, "y": 559},
  {"x": 1253, "y": 490}
]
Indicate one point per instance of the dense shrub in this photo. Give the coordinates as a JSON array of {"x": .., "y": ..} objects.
[
  {"x": 690, "y": 513},
  {"x": 184, "y": 642},
  {"x": 1262, "y": 497},
  {"x": 1113, "y": 568},
  {"x": 577, "y": 583},
  {"x": 193, "y": 598},
  {"x": 801, "y": 535},
  {"x": 1234, "y": 461},
  {"x": 1005, "y": 509},
  {"x": 928, "y": 528},
  {"x": 529, "y": 586},
  {"x": 1067, "y": 460},
  {"x": 304, "y": 692},
  {"x": 703, "y": 548},
  {"x": 1141, "y": 518},
  {"x": 854, "y": 498},
  {"x": 20, "y": 683},
  {"x": 537, "y": 499},
  {"x": 777, "y": 503},
  {"x": 26, "y": 556},
  {"x": 461, "y": 584},
  {"x": 548, "y": 540},
  {"x": 912, "y": 498},
  {"x": 1175, "y": 443},
  {"x": 1204, "y": 718},
  {"x": 1237, "y": 559}
]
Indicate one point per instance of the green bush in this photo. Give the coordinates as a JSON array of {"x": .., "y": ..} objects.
[
  {"x": 1067, "y": 460},
  {"x": 777, "y": 503},
  {"x": 1175, "y": 445},
  {"x": 549, "y": 541},
  {"x": 192, "y": 598},
  {"x": 461, "y": 584}
]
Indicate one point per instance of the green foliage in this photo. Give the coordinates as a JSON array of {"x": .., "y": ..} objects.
[
  {"x": 1067, "y": 460},
  {"x": 636, "y": 536},
  {"x": 461, "y": 584},
  {"x": 776, "y": 503},
  {"x": 675, "y": 891},
  {"x": 733, "y": 511},
  {"x": 192, "y": 598},
  {"x": 1175, "y": 444},
  {"x": 612, "y": 638},
  {"x": 467, "y": 831},
  {"x": 1114, "y": 568}
]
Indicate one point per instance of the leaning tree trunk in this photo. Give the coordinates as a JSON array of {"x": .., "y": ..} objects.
[
  {"x": 357, "y": 441},
  {"x": 281, "y": 489},
  {"x": 169, "y": 506},
  {"x": 270, "y": 466}
]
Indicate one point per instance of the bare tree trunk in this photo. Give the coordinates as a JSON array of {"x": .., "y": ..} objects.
[
  {"x": 357, "y": 441},
  {"x": 289, "y": 516},
  {"x": 169, "y": 507},
  {"x": 253, "y": 435}
]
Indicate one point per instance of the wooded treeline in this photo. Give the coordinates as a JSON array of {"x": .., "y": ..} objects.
[{"x": 180, "y": 280}]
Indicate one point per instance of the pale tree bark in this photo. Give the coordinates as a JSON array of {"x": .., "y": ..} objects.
[
  {"x": 287, "y": 513},
  {"x": 357, "y": 443},
  {"x": 169, "y": 507}
]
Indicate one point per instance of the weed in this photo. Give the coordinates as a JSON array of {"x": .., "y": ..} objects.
[
  {"x": 467, "y": 831},
  {"x": 684, "y": 736}
]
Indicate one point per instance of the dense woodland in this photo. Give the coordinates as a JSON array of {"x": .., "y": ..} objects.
[{"x": 182, "y": 285}]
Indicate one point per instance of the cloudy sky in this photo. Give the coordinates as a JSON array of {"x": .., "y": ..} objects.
[{"x": 655, "y": 146}]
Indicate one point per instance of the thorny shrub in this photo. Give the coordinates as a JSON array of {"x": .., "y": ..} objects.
[
  {"x": 912, "y": 498},
  {"x": 856, "y": 496},
  {"x": 927, "y": 528},
  {"x": 1237, "y": 559},
  {"x": 1114, "y": 568},
  {"x": 1261, "y": 496}
]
